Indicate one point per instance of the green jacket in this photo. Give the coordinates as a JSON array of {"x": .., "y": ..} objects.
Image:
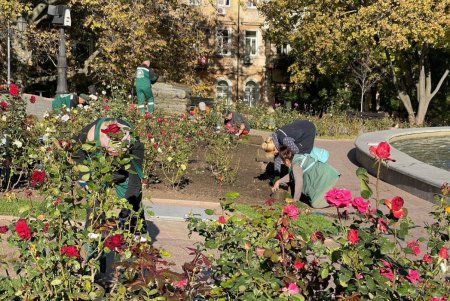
[
  {"x": 145, "y": 77},
  {"x": 62, "y": 100}
]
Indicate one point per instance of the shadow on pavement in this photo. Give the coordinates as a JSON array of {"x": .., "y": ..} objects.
[
  {"x": 351, "y": 155},
  {"x": 152, "y": 230}
]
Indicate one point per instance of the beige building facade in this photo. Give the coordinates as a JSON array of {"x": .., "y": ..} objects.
[{"x": 236, "y": 60}]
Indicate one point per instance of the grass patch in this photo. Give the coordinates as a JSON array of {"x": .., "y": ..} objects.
[
  {"x": 12, "y": 207},
  {"x": 305, "y": 223}
]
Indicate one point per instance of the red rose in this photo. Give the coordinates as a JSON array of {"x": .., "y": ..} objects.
[
  {"x": 270, "y": 201},
  {"x": 112, "y": 128},
  {"x": 396, "y": 207},
  {"x": 443, "y": 253},
  {"x": 222, "y": 220},
  {"x": 4, "y": 105},
  {"x": 291, "y": 211},
  {"x": 22, "y": 230},
  {"x": 64, "y": 144},
  {"x": 106, "y": 108},
  {"x": 414, "y": 246},
  {"x": 46, "y": 226},
  {"x": 338, "y": 197},
  {"x": 155, "y": 145},
  {"x": 318, "y": 236},
  {"x": 353, "y": 236},
  {"x": 192, "y": 113},
  {"x": 382, "y": 151},
  {"x": 298, "y": 265},
  {"x": 428, "y": 259},
  {"x": 37, "y": 177},
  {"x": 70, "y": 251},
  {"x": 3, "y": 229},
  {"x": 284, "y": 234},
  {"x": 160, "y": 120},
  {"x": 133, "y": 107},
  {"x": 1, "y": 88},
  {"x": 181, "y": 284},
  {"x": 114, "y": 242},
  {"x": 148, "y": 115},
  {"x": 13, "y": 90},
  {"x": 33, "y": 99}
]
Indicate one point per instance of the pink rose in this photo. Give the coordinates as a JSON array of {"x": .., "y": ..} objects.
[
  {"x": 443, "y": 253},
  {"x": 33, "y": 99},
  {"x": 382, "y": 225},
  {"x": 291, "y": 288},
  {"x": 359, "y": 204},
  {"x": 382, "y": 151},
  {"x": 259, "y": 252},
  {"x": 291, "y": 211},
  {"x": 4, "y": 105},
  {"x": 413, "y": 276},
  {"x": 338, "y": 197},
  {"x": 443, "y": 298},
  {"x": 284, "y": 234},
  {"x": 22, "y": 230}
]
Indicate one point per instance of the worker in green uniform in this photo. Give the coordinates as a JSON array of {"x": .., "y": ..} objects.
[
  {"x": 307, "y": 176},
  {"x": 69, "y": 101},
  {"x": 145, "y": 77}
]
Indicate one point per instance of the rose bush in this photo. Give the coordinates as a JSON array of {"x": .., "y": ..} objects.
[{"x": 266, "y": 257}]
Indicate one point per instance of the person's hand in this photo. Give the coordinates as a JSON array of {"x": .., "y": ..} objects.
[{"x": 276, "y": 186}]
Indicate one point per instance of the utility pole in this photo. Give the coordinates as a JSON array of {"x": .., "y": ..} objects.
[{"x": 8, "y": 46}]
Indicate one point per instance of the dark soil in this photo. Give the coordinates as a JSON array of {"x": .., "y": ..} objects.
[{"x": 251, "y": 182}]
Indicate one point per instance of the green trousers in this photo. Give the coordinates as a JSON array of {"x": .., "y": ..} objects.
[{"x": 145, "y": 94}]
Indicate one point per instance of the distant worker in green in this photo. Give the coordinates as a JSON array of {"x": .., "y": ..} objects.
[
  {"x": 69, "y": 101},
  {"x": 145, "y": 78}
]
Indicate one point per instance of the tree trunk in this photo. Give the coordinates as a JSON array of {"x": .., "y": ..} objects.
[
  {"x": 425, "y": 95},
  {"x": 404, "y": 97}
]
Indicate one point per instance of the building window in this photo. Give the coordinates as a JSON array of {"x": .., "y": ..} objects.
[
  {"x": 223, "y": 91},
  {"x": 283, "y": 48},
  {"x": 251, "y": 93},
  {"x": 223, "y": 42},
  {"x": 251, "y": 3},
  {"x": 250, "y": 42},
  {"x": 194, "y": 2},
  {"x": 223, "y": 2}
]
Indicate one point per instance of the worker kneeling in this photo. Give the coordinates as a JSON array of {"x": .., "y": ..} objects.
[{"x": 307, "y": 175}]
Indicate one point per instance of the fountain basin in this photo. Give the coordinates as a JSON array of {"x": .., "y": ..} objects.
[{"x": 409, "y": 174}]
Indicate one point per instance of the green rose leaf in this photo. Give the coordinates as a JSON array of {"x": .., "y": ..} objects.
[
  {"x": 209, "y": 211},
  {"x": 56, "y": 282},
  {"x": 83, "y": 168}
]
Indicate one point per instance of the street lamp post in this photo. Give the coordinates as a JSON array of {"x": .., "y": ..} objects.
[{"x": 61, "y": 18}]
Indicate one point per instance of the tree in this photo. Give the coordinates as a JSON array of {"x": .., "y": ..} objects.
[{"x": 326, "y": 36}]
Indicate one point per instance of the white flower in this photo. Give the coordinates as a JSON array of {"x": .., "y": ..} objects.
[
  {"x": 169, "y": 159},
  {"x": 129, "y": 96},
  {"x": 3, "y": 141},
  {"x": 443, "y": 266},
  {"x": 4, "y": 118},
  {"x": 17, "y": 143},
  {"x": 64, "y": 118},
  {"x": 28, "y": 128},
  {"x": 152, "y": 140},
  {"x": 104, "y": 92},
  {"x": 46, "y": 115},
  {"x": 93, "y": 97},
  {"x": 86, "y": 108},
  {"x": 159, "y": 150}
]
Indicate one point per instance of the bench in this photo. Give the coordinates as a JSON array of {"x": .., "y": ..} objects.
[{"x": 366, "y": 115}]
